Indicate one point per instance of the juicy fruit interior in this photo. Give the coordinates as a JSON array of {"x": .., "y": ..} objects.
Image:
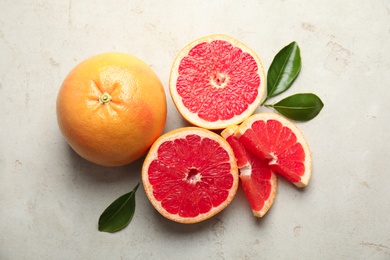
[
  {"x": 257, "y": 186},
  {"x": 257, "y": 179},
  {"x": 217, "y": 81},
  {"x": 278, "y": 145},
  {"x": 191, "y": 175}
]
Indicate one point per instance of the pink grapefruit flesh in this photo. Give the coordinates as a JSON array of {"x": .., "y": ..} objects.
[
  {"x": 217, "y": 81},
  {"x": 190, "y": 174},
  {"x": 258, "y": 181},
  {"x": 280, "y": 143}
]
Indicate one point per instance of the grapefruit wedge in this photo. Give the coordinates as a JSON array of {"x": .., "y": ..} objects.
[
  {"x": 280, "y": 143},
  {"x": 190, "y": 174},
  {"x": 258, "y": 181},
  {"x": 216, "y": 81}
]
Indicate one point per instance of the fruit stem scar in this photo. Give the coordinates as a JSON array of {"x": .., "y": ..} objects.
[{"x": 105, "y": 98}]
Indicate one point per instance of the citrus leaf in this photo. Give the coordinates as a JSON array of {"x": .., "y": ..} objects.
[
  {"x": 300, "y": 107},
  {"x": 119, "y": 214},
  {"x": 283, "y": 70}
]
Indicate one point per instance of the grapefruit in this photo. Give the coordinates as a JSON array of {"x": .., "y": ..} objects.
[
  {"x": 258, "y": 181},
  {"x": 190, "y": 174},
  {"x": 216, "y": 81},
  {"x": 111, "y": 108},
  {"x": 280, "y": 143}
]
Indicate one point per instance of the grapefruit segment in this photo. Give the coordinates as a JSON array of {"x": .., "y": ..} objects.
[
  {"x": 190, "y": 174},
  {"x": 258, "y": 181},
  {"x": 238, "y": 149},
  {"x": 216, "y": 81},
  {"x": 260, "y": 185},
  {"x": 252, "y": 141},
  {"x": 278, "y": 141}
]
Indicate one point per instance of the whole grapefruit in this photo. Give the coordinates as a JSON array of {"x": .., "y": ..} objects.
[{"x": 111, "y": 108}]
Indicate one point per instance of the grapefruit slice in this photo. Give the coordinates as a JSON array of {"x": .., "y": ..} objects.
[
  {"x": 190, "y": 174},
  {"x": 278, "y": 141},
  {"x": 258, "y": 181},
  {"x": 216, "y": 81}
]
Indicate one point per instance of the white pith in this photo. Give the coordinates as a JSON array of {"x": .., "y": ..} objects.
[
  {"x": 274, "y": 159},
  {"x": 214, "y": 80},
  {"x": 246, "y": 170},
  {"x": 194, "y": 179}
]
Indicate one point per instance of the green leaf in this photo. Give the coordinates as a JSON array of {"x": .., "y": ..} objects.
[
  {"x": 300, "y": 107},
  {"x": 283, "y": 70},
  {"x": 119, "y": 214}
]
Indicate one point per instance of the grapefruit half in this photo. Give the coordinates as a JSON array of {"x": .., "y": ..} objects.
[
  {"x": 258, "y": 181},
  {"x": 217, "y": 81},
  {"x": 280, "y": 143},
  {"x": 190, "y": 174}
]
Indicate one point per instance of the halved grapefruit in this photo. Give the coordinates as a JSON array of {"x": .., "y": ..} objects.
[
  {"x": 217, "y": 81},
  {"x": 190, "y": 174},
  {"x": 280, "y": 143},
  {"x": 258, "y": 181}
]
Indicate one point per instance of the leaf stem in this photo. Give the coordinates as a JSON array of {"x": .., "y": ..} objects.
[{"x": 265, "y": 100}]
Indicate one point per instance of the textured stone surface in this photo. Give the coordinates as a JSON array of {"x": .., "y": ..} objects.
[{"x": 51, "y": 199}]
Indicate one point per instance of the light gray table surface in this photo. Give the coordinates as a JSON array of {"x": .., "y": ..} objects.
[{"x": 51, "y": 199}]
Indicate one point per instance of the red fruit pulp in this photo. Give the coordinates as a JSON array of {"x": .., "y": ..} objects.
[
  {"x": 256, "y": 185},
  {"x": 257, "y": 179},
  {"x": 278, "y": 145},
  {"x": 217, "y": 80},
  {"x": 191, "y": 175}
]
